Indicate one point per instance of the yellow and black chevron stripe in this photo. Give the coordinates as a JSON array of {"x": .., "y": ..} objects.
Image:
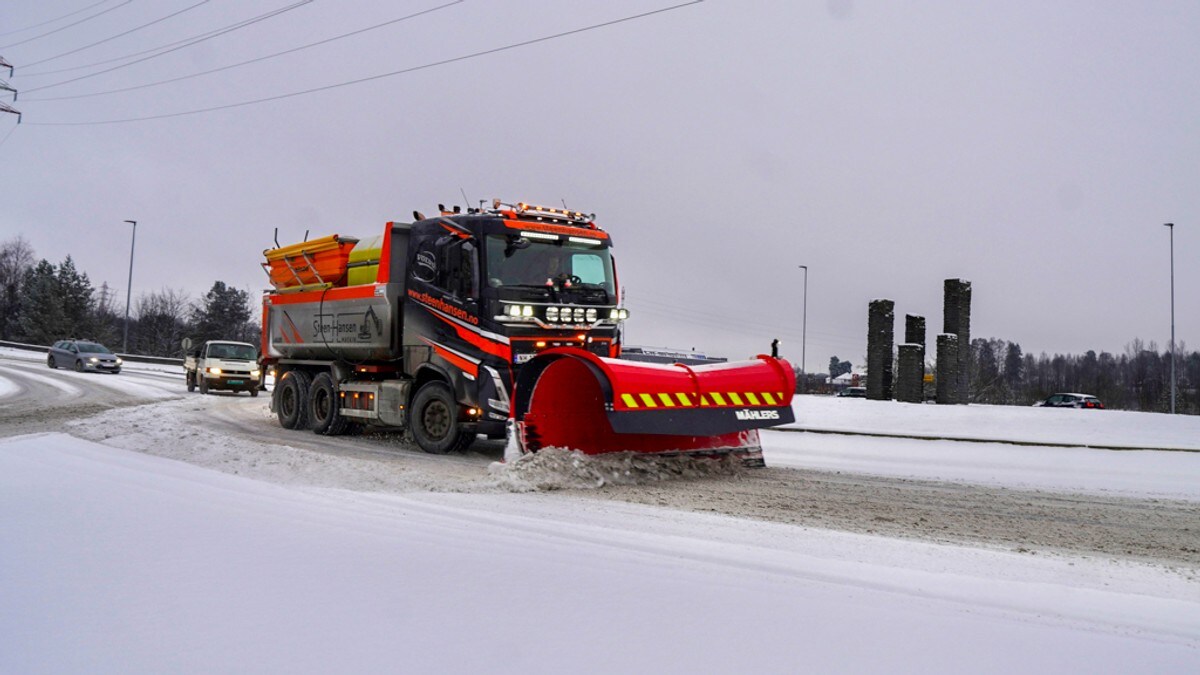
[{"x": 636, "y": 401}]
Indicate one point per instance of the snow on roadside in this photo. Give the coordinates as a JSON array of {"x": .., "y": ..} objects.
[
  {"x": 1140, "y": 473},
  {"x": 558, "y": 469},
  {"x": 1066, "y": 426}
]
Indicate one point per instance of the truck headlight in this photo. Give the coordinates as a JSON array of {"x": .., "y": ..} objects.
[
  {"x": 552, "y": 314},
  {"x": 526, "y": 310},
  {"x": 591, "y": 315},
  {"x": 214, "y": 371},
  {"x": 579, "y": 315},
  {"x": 255, "y": 373},
  {"x": 512, "y": 310}
]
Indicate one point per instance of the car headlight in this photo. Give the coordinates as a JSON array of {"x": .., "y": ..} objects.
[
  {"x": 120, "y": 360},
  {"x": 214, "y": 371},
  {"x": 552, "y": 314},
  {"x": 93, "y": 359}
]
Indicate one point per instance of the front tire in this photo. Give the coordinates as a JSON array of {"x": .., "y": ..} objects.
[
  {"x": 434, "y": 417},
  {"x": 50, "y": 362},
  {"x": 79, "y": 366},
  {"x": 292, "y": 402},
  {"x": 324, "y": 415}
]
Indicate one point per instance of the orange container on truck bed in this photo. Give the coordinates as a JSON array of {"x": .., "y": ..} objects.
[{"x": 318, "y": 263}]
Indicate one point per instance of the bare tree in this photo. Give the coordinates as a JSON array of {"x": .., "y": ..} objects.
[
  {"x": 16, "y": 258},
  {"x": 161, "y": 322}
]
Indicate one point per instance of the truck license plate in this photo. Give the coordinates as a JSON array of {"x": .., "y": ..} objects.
[
  {"x": 236, "y": 382},
  {"x": 522, "y": 358}
]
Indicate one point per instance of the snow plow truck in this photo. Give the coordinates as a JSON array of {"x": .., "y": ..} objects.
[{"x": 501, "y": 321}]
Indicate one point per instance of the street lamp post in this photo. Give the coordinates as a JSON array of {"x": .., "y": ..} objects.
[
  {"x": 1171, "y": 227},
  {"x": 129, "y": 287},
  {"x": 804, "y": 336}
]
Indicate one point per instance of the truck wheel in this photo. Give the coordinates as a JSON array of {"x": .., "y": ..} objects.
[
  {"x": 434, "y": 418},
  {"x": 254, "y": 391},
  {"x": 293, "y": 399},
  {"x": 324, "y": 416},
  {"x": 191, "y": 382}
]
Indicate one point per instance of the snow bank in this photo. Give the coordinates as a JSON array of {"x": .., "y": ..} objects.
[
  {"x": 1066, "y": 426},
  {"x": 556, "y": 469}
]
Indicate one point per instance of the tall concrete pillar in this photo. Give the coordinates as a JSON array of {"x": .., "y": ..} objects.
[
  {"x": 910, "y": 376},
  {"x": 881, "y": 321},
  {"x": 947, "y": 368},
  {"x": 956, "y": 313},
  {"x": 914, "y": 330}
]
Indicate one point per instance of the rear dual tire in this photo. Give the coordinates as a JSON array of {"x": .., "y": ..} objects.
[
  {"x": 292, "y": 399},
  {"x": 324, "y": 414}
]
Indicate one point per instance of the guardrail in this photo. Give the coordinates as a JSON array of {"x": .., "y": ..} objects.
[{"x": 133, "y": 358}]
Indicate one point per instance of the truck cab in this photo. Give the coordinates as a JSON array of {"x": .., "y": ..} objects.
[{"x": 487, "y": 292}]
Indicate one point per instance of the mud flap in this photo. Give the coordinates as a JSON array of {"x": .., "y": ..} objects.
[{"x": 572, "y": 399}]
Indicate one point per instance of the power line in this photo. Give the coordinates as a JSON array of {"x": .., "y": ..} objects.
[
  {"x": 198, "y": 38},
  {"x": 38, "y": 37},
  {"x": 64, "y": 16},
  {"x": 119, "y": 35},
  {"x": 486, "y": 52},
  {"x": 248, "y": 22},
  {"x": 10, "y": 131},
  {"x": 243, "y": 63}
]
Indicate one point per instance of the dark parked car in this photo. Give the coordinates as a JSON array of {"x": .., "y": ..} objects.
[
  {"x": 853, "y": 392},
  {"x": 83, "y": 355},
  {"x": 1070, "y": 401}
]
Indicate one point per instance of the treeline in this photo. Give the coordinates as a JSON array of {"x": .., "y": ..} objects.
[
  {"x": 1138, "y": 379},
  {"x": 41, "y": 303}
]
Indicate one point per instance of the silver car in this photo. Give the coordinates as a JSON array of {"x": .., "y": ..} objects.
[
  {"x": 83, "y": 355},
  {"x": 1070, "y": 400}
]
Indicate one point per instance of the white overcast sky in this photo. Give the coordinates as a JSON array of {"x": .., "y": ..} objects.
[{"x": 1032, "y": 148}]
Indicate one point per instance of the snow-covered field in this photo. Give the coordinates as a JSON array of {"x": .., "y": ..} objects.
[
  {"x": 115, "y": 560},
  {"x": 1146, "y": 473}
]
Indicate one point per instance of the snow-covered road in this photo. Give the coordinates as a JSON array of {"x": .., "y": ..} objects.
[
  {"x": 149, "y": 530},
  {"x": 153, "y": 565}
]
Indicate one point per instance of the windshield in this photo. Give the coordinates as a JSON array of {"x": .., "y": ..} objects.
[
  {"x": 92, "y": 348},
  {"x": 227, "y": 351},
  {"x": 512, "y": 261}
]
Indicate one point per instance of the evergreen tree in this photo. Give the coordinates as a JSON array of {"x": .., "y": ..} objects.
[
  {"x": 41, "y": 318},
  {"x": 76, "y": 298},
  {"x": 223, "y": 314}
]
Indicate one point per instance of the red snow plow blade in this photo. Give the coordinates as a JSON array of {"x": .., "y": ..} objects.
[{"x": 572, "y": 399}]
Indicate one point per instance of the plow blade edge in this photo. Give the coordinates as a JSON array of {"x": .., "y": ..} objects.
[{"x": 572, "y": 399}]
